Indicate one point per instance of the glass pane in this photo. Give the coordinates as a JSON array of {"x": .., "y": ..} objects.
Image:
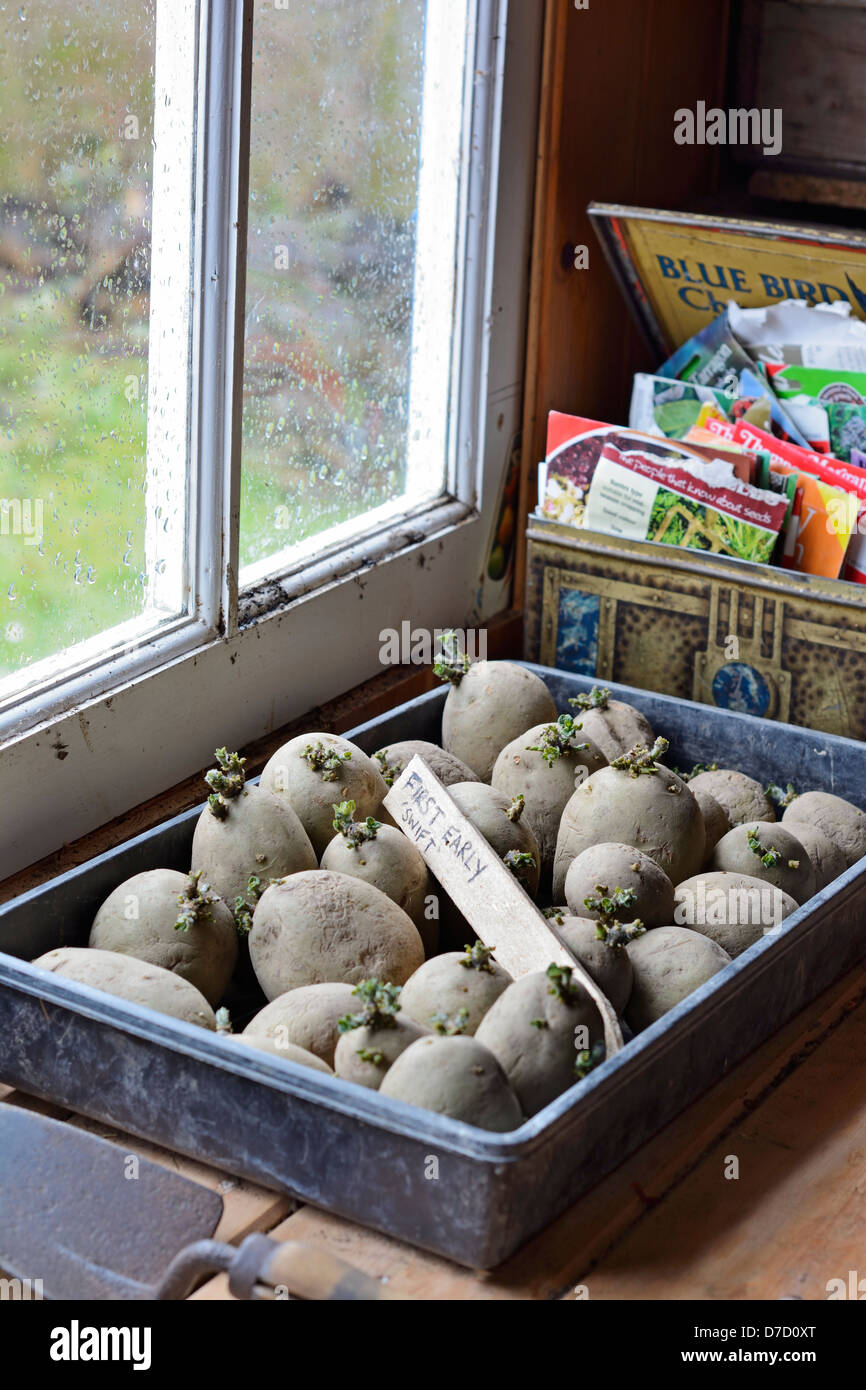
[
  {"x": 332, "y": 294},
  {"x": 79, "y": 516}
]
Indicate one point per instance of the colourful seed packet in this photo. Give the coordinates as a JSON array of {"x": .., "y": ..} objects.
[
  {"x": 712, "y": 357},
  {"x": 847, "y": 424},
  {"x": 660, "y": 406},
  {"x": 699, "y": 506},
  {"x": 824, "y": 384},
  {"x": 716, "y": 359},
  {"x": 833, "y": 496}
]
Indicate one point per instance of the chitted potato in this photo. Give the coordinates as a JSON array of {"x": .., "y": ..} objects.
[
  {"x": 716, "y": 819},
  {"x": 323, "y": 926},
  {"x": 557, "y": 915},
  {"x": 276, "y": 1048},
  {"x": 740, "y": 797},
  {"x": 639, "y": 803},
  {"x": 397, "y": 756},
  {"x": 668, "y": 964},
  {"x": 307, "y": 1017},
  {"x": 840, "y": 821},
  {"x": 500, "y": 820},
  {"x": 608, "y": 963},
  {"x": 130, "y": 978},
  {"x": 382, "y": 855},
  {"x": 374, "y": 1034},
  {"x": 245, "y": 836},
  {"x": 455, "y": 985},
  {"x": 769, "y": 851},
  {"x": 544, "y": 765},
  {"x": 614, "y": 726},
  {"x": 604, "y": 868},
  {"x": 828, "y": 858},
  {"x": 454, "y": 1076},
  {"x": 314, "y": 771},
  {"x": 174, "y": 921},
  {"x": 732, "y": 909},
  {"x": 536, "y": 1029},
  {"x": 490, "y": 703}
]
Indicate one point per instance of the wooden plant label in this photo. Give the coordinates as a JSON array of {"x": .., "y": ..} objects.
[{"x": 495, "y": 904}]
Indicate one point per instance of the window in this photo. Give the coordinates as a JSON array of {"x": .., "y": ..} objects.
[
  {"x": 265, "y": 377},
  {"x": 340, "y": 257},
  {"x": 95, "y": 195},
  {"x": 76, "y": 181}
]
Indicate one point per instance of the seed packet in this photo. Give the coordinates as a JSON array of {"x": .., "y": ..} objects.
[
  {"x": 715, "y": 358},
  {"x": 825, "y": 384},
  {"x": 791, "y": 531},
  {"x": 847, "y": 425},
  {"x": 699, "y": 506},
  {"x": 712, "y": 357},
  {"x": 574, "y": 446},
  {"x": 786, "y": 486},
  {"x": 765, "y": 409},
  {"x": 833, "y": 497},
  {"x": 812, "y": 420},
  {"x": 660, "y": 406}
]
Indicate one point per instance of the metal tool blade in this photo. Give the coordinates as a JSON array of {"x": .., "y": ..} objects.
[{"x": 87, "y": 1218}]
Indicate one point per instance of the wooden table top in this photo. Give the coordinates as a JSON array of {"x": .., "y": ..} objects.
[{"x": 756, "y": 1191}]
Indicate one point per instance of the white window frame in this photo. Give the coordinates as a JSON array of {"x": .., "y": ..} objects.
[{"x": 118, "y": 731}]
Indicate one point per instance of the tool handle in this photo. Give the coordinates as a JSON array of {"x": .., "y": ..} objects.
[{"x": 267, "y": 1269}]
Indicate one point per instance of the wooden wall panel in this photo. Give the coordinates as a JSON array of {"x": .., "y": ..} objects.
[{"x": 613, "y": 77}]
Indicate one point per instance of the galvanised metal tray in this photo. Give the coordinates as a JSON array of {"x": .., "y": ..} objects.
[{"x": 360, "y": 1154}]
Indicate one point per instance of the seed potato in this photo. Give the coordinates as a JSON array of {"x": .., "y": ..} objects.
[
  {"x": 791, "y": 869},
  {"x": 453, "y": 981},
  {"x": 323, "y": 926},
  {"x": 313, "y": 771},
  {"x": 732, "y": 909},
  {"x": 366, "y": 1054},
  {"x": 454, "y": 1076},
  {"x": 531, "y": 1031},
  {"x": 614, "y": 726},
  {"x": 132, "y": 979},
  {"x": 489, "y": 705},
  {"x": 288, "y": 1051},
  {"x": 654, "y": 811},
  {"x": 245, "y": 836},
  {"x": 740, "y": 797},
  {"x": 828, "y": 858},
  {"x": 612, "y": 866},
  {"x": 609, "y": 966},
  {"x": 382, "y": 855},
  {"x": 177, "y": 924},
  {"x": 397, "y": 756},
  {"x": 307, "y": 1017},
  {"x": 668, "y": 964},
  {"x": 716, "y": 820},
  {"x": 544, "y": 765},
  {"x": 374, "y": 1034},
  {"x": 839, "y": 820},
  {"x": 501, "y": 822}
]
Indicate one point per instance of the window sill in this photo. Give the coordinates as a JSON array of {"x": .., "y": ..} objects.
[{"x": 392, "y": 687}]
